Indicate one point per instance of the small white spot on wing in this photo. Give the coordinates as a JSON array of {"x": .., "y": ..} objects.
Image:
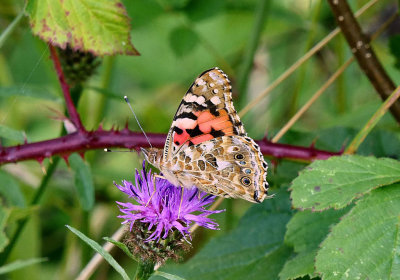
[
  {"x": 184, "y": 123},
  {"x": 214, "y": 76},
  {"x": 222, "y": 164},
  {"x": 200, "y": 100},
  {"x": 200, "y": 82},
  {"x": 215, "y": 100},
  {"x": 190, "y": 97}
]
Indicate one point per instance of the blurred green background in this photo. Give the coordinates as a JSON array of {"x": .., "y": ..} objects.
[{"x": 178, "y": 40}]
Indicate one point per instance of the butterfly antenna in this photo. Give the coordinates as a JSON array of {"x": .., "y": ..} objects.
[
  {"x": 133, "y": 112},
  {"x": 117, "y": 151}
]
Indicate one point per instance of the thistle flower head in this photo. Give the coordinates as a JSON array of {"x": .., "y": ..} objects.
[{"x": 163, "y": 210}]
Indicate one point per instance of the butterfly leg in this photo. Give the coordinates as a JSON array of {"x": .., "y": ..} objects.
[
  {"x": 154, "y": 185},
  {"x": 180, "y": 204}
]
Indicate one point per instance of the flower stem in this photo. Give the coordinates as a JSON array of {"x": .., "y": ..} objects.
[{"x": 145, "y": 270}]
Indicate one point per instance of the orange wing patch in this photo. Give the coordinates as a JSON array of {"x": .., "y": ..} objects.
[{"x": 206, "y": 127}]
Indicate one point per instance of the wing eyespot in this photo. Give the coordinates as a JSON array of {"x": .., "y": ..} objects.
[
  {"x": 247, "y": 171},
  {"x": 238, "y": 156},
  {"x": 245, "y": 181}
]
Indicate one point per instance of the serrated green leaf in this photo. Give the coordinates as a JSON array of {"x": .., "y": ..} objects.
[
  {"x": 4, "y": 213},
  {"x": 168, "y": 275},
  {"x": 10, "y": 191},
  {"x": 299, "y": 266},
  {"x": 122, "y": 246},
  {"x": 365, "y": 244},
  {"x": 305, "y": 231},
  {"x": 254, "y": 250},
  {"x": 183, "y": 40},
  {"x": 101, "y": 251},
  {"x": 29, "y": 91},
  {"x": 337, "y": 181},
  {"x": 20, "y": 264},
  {"x": 83, "y": 181},
  {"x": 97, "y": 26}
]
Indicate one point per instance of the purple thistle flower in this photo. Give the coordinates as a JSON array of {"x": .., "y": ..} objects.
[{"x": 164, "y": 209}]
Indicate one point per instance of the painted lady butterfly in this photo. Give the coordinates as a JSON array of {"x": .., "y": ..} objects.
[{"x": 207, "y": 145}]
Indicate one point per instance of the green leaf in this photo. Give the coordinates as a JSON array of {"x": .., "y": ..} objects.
[
  {"x": 97, "y": 26},
  {"x": 168, "y": 276},
  {"x": 29, "y": 91},
  {"x": 183, "y": 40},
  {"x": 20, "y": 264},
  {"x": 122, "y": 246},
  {"x": 254, "y": 250},
  {"x": 305, "y": 231},
  {"x": 365, "y": 244},
  {"x": 299, "y": 266},
  {"x": 12, "y": 134},
  {"x": 83, "y": 181},
  {"x": 337, "y": 181},
  {"x": 101, "y": 251},
  {"x": 4, "y": 213},
  {"x": 10, "y": 191}
]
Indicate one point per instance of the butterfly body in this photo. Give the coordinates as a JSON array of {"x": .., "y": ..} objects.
[{"x": 207, "y": 145}]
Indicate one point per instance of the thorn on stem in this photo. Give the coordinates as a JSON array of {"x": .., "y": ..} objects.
[
  {"x": 82, "y": 154},
  {"x": 65, "y": 158}
]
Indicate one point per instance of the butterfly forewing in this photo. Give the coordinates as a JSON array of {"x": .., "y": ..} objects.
[{"x": 206, "y": 112}]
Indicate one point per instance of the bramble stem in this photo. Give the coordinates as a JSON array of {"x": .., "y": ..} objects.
[
  {"x": 99, "y": 139},
  {"x": 73, "y": 114}
]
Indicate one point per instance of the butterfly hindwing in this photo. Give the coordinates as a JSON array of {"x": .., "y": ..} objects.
[
  {"x": 206, "y": 112},
  {"x": 229, "y": 166}
]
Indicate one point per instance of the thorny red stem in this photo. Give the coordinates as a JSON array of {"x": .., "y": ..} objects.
[
  {"x": 81, "y": 142},
  {"x": 73, "y": 114}
]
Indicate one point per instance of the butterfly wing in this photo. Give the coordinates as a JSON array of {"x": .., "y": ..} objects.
[
  {"x": 206, "y": 112},
  {"x": 228, "y": 166}
]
